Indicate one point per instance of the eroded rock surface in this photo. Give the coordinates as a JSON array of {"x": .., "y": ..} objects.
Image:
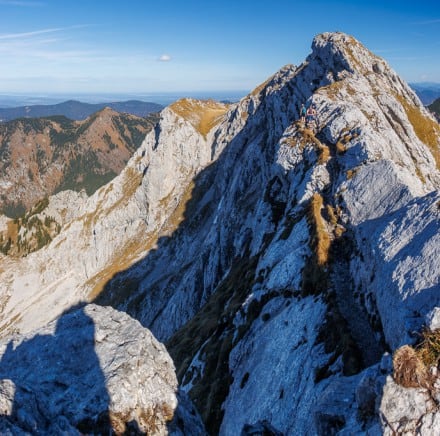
[{"x": 91, "y": 371}]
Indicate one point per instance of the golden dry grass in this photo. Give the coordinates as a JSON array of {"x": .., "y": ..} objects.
[
  {"x": 344, "y": 139},
  {"x": 426, "y": 129},
  {"x": 149, "y": 419},
  {"x": 332, "y": 215},
  {"x": 412, "y": 365},
  {"x": 339, "y": 231},
  {"x": 132, "y": 180},
  {"x": 203, "y": 115},
  {"x": 309, "y": 137},
  {"x": 351, "y": 173},
  {"x": 340, "y": 148},
  {"x": 322, "y": 238},
  {"x": 122, "y": 260},
  {"x": 12, "y": 231},
  {"x": 324, "y": 154},
  {"x": 178, "y": 214},
  {"x": 429, "y": 348},
  {"x": 408, "y": 369}
]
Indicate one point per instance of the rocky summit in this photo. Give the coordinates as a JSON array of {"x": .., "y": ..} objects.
[{"x": 291, "y": 270}]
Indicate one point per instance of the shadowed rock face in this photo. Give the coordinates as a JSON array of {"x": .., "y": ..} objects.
[
  {"x": 93, "y": 370},
  {"x": 278, "y": 263}
]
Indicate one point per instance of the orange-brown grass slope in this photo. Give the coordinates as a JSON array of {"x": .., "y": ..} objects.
[
  {"x": 321, "y": 238},
  {"x": 44, "y": 155},
  {"x": 412, "y": 365},
  {"x": 204, "y": 115},
  {"x": 426, "y": 129}
]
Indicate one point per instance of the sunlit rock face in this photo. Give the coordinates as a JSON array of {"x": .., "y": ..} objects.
[{"x": 278, "y": 263}]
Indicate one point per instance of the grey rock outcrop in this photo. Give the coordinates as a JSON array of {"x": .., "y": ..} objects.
[
  {"x": 408, "y": 411},
  {"x": 92, "y": 370}
]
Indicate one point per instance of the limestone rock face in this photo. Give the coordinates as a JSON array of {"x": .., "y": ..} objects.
[
  {"x": 277, "y": 262},
  {"x": 407, "y": 411},
  {"x": 111, "y": 229},
  {"x": 92, "y": 370}
]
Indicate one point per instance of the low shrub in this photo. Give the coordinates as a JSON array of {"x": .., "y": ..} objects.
[{"x": 412, "y": 365}]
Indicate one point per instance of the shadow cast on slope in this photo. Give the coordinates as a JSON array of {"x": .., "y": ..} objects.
[
  {"x": 143, "y": 289},
  {"x": 209, "y": 280},
  {"x": 57, "y": 382},
  {"x": 147, "y": 290}
]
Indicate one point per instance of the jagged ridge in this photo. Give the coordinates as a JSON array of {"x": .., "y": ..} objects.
[{"x": 262, "y": 248}]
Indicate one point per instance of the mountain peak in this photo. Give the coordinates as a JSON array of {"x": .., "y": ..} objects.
[
  {"x": 344, "y": 76},
  {"x": 107, "y": 111},
  {"x": 343, "y": 52}
]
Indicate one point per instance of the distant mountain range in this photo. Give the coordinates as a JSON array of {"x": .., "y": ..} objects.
[
  {"x": 42, "y": 156},
  {"x": 435, "y": 108},
  {"x": 76, "y": 110},
  {"x": 427, "y": 92}
]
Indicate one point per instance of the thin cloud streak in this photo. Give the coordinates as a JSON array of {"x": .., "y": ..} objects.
[
  {"x": 21, "y": 3},
  {"x": 29, "y": 34},
  {"x": 38, "y": 32},
  {"x": 422, "y": 23}
]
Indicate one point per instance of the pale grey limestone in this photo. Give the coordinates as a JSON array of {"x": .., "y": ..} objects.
[{"x": 91, "y": 370}]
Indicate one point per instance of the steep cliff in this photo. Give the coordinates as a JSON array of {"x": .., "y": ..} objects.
[{"x": 280, "y": 264}]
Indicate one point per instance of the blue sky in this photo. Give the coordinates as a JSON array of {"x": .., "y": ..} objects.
[{"x": 134, "y": 46}]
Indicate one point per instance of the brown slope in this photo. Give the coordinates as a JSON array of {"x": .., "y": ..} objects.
[{"x": 42, "y": 156}]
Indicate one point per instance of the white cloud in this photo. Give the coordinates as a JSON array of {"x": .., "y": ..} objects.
[{"x": 165, "y": 58}]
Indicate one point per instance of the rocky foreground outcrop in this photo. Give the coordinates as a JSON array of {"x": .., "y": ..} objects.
[{"x": 93, "y": 370}]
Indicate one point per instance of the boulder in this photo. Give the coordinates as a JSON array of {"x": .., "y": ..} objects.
[{"x": 89, "y": 371}]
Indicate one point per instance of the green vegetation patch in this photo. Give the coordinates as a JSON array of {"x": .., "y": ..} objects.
[
  {"x": 29, "y": 232},
  {"x": 85, "y": 172},
  {"x": 435, "y": 107}
]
